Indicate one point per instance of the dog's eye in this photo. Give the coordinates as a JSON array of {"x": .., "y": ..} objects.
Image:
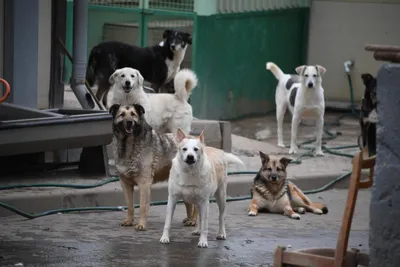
[
  {"x": 315, "y": 75},
  {"x": 133, "y": 76},
  {"x": 132, "y": 114},
  {"x": 123, "y": 114},
  {"x": 195, "y": 149},
  {"x": 123, "y": 75},
  {"x": 306, "y": 75},
  {"x": 184, "y": 149},
  {"x": 269, "y": 169},
  {"x": 278, "y": 169}
]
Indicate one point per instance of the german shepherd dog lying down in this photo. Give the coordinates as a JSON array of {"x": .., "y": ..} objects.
[
  {"x": 142, "y": 158},
  {"x": 273, "y": 193}
]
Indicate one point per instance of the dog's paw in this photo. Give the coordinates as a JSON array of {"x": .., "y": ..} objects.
[
  {"x": 202, "y": 243},
  {"x": 189, "y": 223},
  {"x": 196, "y": 232},
  {"x": 164, "y": 240},
  {"x": 295, "y": 216},
  {"x": 319, "y": 152},
  {"x": 281, "y": 144},
  {"x": 317, "y": 211},
  {"x": 221, "y": 236},
  {"x": 140, "y": 227},
  {"x": 127, "y": 222},
  {"x": 293, "y": 150},
  {"x": 252, "y": 213},
  {"x": 301, "y": 210},
  {"x": 185, "y": 220}
]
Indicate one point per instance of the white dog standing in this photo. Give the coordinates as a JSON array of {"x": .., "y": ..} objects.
[
  {"x": 302, "y": 93},
  {"x": 164, "y": 112},
  {"x": 198, "y": 172}
]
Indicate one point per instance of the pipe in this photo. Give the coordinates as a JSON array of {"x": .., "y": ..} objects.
[
  {"x": 79, "y": 54},
  {"x": 347, "y": 66}
]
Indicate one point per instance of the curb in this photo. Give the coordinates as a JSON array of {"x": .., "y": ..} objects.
[{"x": 38, "y": 199}]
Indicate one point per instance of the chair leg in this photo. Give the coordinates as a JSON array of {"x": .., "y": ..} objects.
[
  {"x": 278, "y": 256},
  {"x": 343, "y": 238}
]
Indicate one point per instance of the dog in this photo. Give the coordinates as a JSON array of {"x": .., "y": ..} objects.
[
  {"x": 164, "y": 112},
  {"x": 271, "y": 191},
  {"x": 198, "y": 172},
  {"x": 303, "y": 94},
  {"x": 369, "y": 116},
  {"x": 158, "y": 64},
  {"x": 142, "y": 157}
]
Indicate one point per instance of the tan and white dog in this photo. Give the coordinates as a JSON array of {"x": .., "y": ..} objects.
[
  {"x": 198, "y": 172},
  {"x": 303, "y": 95},
  {"x": 165, "y": 113}
]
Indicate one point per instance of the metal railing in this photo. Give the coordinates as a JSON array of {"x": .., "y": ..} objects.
[{"x": 238, "y": 6}]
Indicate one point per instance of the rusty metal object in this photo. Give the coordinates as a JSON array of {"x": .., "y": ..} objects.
[{"x": 385, "y": 52}]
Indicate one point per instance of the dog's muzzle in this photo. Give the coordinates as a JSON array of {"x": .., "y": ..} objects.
[
  {"x": 310, "y": 85},
  {"x": 128, "y": 126},
  {"x": 190, "y": 159},
  {"x": 127, "y": 86},
  {"x": 274, "y": 177}
]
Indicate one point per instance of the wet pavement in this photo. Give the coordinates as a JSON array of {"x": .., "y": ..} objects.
[{"x": 96, "y": 239}]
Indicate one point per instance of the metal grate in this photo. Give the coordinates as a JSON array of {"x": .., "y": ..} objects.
[
  {"x": 175, "y": 5},
  {"x": 237, "y": 6},
  {"x": 116, "y": 3}
]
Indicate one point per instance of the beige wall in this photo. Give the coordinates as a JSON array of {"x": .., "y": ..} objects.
[
  {"x": 338, "y": 32},
  {"x": 44, "y": 53}
]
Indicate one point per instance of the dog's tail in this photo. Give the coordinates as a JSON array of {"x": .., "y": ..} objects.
[
  {"x": 230, "y": 158},
  {"x": 184, "y": 82},
  {"x": 278, "y": 73}
]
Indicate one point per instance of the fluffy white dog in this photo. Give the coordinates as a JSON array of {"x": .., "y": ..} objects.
[{"x": 164, "y": 112}]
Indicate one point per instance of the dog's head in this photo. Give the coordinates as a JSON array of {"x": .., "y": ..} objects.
[
  {"x": 127, "y": 79},
  {"x": 127, "y": 119},
  {"x": 190, "y": 148},
  {"x": 176, "y": 40},
  {"x": 273, "y": 169},
  {"x": 310, "y": 76},
  {"x": 370, "y": 88}
]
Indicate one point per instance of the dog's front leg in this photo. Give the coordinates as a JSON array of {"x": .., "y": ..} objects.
[
  {"x": 280, "y": 114},
  {"x": 319, "y": 130},
  {"x": 288, "y": 211},
  {"x": 167, "y": 226},
  {"x": 295, "y": 126},
  {"x": 204, "y": 209},
  {"x": 128, "y": 189},
  {"x": 145, "y": 191}
]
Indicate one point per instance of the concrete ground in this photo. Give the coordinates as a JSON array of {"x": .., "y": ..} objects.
[{"x": 96, "y": 239}]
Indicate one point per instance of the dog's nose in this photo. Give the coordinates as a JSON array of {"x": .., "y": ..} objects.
[
  {"x": 310, "y": 85},
  {"x": 274, "y": 177},
  {"x": 127, "y": 83},
  {"x": 190, "y": 157},
  {"x": 173, "y": 46},
  {"x": 129, "y": 124}
]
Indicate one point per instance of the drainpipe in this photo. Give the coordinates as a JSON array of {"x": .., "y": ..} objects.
[{"x": 80, "y": 54}]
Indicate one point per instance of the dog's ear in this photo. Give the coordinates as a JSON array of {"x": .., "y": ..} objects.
[
  {"x": 139, "y": 109},
  {"x": 300, "y": 69},
  {"x": 140, "y": 78},
  {"x": 180, "y": 135},
  {"x": 367, "y": 79},
  {"x": 166, "y": 33},
  {"x": 114, "y": 109},
  {"x": 285, "y": 161},
  {"x": 264, "y": 158},
  {"x": 201, "y": 136},
  {"x": 320, "y": 69},
  {"x": 113, "y": 76},
  {"x": 188, "y": 38}
]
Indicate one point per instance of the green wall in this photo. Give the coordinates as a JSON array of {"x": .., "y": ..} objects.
[{"x": 230, "y": 56}]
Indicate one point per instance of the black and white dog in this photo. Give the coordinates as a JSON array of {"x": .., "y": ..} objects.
[{"x": 158, "y": 64}]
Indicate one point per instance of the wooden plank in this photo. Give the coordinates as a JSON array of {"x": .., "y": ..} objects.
[
  {"x": 304, "y": 259},
  {"x": 385, "y": 48}
]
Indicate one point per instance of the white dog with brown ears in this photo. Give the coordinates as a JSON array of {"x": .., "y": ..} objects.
[
  {"x": 165, "y": 113},
  {"x": 198, "y": 172},
  {"x": 304, "y": 95}
]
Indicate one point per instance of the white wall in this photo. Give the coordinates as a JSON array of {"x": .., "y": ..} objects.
[
  {"x": 339, "y": 30},
  {"x": 44, "y": 60}
]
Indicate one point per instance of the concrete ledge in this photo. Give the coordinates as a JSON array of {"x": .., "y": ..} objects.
[{"x": 36, "y": 200}]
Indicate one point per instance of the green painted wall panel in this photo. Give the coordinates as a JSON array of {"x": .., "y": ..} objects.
[{"x": 231, "y": 52}]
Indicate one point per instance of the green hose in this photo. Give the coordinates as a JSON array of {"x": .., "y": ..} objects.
[{"x": 308, "y": 153}]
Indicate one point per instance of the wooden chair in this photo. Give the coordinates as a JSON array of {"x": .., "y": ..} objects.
[{"x": 340, "y": 257}]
